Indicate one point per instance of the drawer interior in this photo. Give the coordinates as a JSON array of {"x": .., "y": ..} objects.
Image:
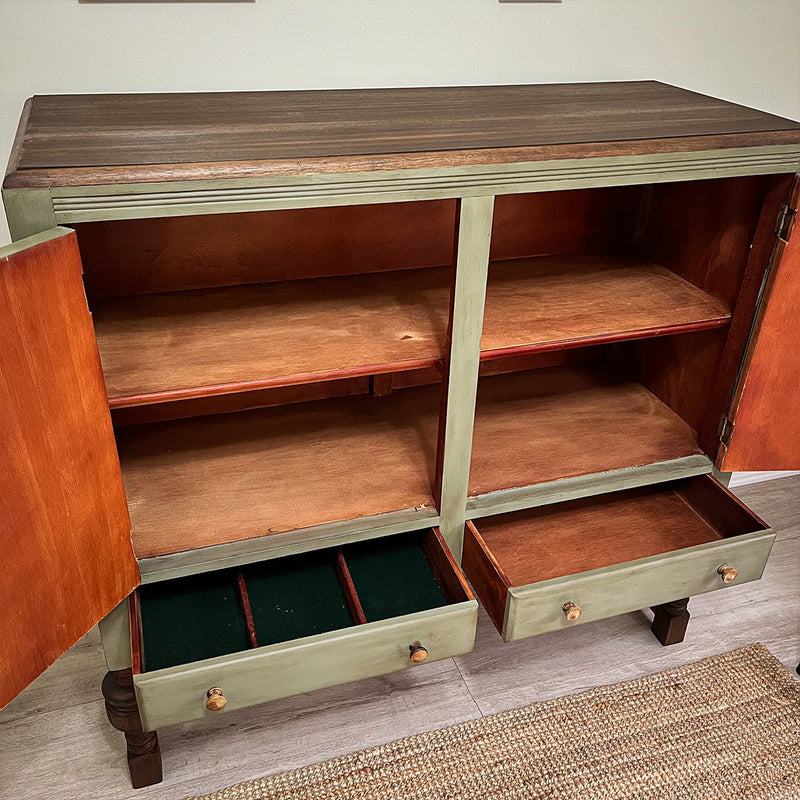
[
  {"x": 527, "y": 547},
  {"x": 227, "y": 611}
]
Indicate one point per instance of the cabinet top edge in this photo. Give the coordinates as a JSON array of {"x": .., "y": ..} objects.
[{"x": 70, "y": 140}]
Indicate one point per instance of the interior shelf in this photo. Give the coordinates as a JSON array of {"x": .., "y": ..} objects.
[
  {"x": 208, "y": 480},
  {"x": 179, "y": 345},
  {"x": 562, "y": 422},
  {"x": 550, "y": 302}
]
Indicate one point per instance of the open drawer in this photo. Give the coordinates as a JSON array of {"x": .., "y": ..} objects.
[
  {"x": 554, "y": 566},
  {"x": 238, "y": 637}
]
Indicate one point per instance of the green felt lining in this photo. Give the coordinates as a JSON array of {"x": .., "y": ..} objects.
[
  {"x": 189, "y": 619},
  {"x": 393, "y": 577},
  {"x": 296, "y": 596},
  {"x": 198, "y": 617}
]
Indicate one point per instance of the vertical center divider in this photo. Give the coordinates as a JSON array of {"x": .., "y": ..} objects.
[
  {"x": 467, "y": 303},
  {"x": 247, "y": 611},
  {"x": 349, "y": 588}
]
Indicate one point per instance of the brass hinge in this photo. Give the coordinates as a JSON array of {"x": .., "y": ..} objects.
[
  {"x": 785, "y": 222},
  {"x": 725, "y": 430}
]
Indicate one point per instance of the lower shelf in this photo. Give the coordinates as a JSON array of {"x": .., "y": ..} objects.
[
  {"x": 210, "y": 480},
  {"x": 294, "y": 624},
  {"x": 612, "y": 554},
  {"x": 533, "y": 428}
]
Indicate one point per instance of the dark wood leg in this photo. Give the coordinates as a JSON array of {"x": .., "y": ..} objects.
[
  {"x": 144, "y": 755},
  {"x": 670, "y": 621}
]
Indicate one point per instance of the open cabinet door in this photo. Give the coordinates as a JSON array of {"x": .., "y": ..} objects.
[
  {"x": 763, "y": 430},
  {"x": 65, "y": 550}
]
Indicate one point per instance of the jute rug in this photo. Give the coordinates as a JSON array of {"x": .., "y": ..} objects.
[{"x": 725, "y": 727}]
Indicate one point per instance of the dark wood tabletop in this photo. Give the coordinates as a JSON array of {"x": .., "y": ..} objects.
[{"x": 63, "y": 137}]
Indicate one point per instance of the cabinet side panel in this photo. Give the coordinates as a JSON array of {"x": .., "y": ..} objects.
[{"x": 66, "y": 551}]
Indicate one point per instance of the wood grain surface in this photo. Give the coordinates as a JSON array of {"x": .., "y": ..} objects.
[
  {"x": 561, "y": 422},
  {"x": 165, "y": 254},
  {"x": 225, "y": 478},
  {"x": 567, "y": 538},
  {"x": 191, "y": 344},
  {"x": 766, "y": 408},
  {"x": 558, "y": 298},
  {"x": 66, "y": 549},
  {"x": 101, "y": 131}
]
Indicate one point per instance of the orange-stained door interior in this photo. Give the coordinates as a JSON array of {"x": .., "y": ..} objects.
[
  {"x": 65, "y": 550},
  {"x": 765, "y": 414}
]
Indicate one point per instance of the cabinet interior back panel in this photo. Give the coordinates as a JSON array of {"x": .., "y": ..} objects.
[
  {"x": 204, "y": 481},
  {"x": 560, "y": 422}
]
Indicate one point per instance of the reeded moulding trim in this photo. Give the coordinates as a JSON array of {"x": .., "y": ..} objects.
[{"x": 129, "y": 201}]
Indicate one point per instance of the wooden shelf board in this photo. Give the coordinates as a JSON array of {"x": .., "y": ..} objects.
[
  {"x": 561, "y": 422},
  {"x": 183, "y": 345},
  {"x": 591, "y": 533},
  {"x": 551, "y": 302},
  {"x": 180, "y": 345},
  {"x": 205, "y": 481}
]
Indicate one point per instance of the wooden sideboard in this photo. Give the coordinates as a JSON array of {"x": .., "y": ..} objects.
[{"x": 300, "y": 358}]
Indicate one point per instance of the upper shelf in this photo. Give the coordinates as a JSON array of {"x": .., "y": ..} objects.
[
  {"x": 180, "y": 345},
  {"x": 554, "y": 302},
  {"x": 68, "y": 140}
]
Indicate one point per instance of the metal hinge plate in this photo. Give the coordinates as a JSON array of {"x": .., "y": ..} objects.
[
  {"x": 725, "y": 430},
  {"x": 785, "y": 222}
]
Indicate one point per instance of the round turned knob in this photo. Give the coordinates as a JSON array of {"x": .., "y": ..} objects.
[
  {"x": 728, "y": 574},
  {"x": 572, "y": 612},
  {"x": 417, "y": 652},
  {"x": 216, "y": 700}
]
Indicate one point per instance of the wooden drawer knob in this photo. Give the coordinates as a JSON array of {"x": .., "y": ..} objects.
[
  {"x": 728, "y": 574},
  {"x": 216, "y": 699},
  {"x": 417, "y": 652},
  {"x": 572, "y": 612}
]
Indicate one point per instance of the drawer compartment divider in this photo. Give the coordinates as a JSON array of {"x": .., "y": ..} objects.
[
  {"x": 351, "y": 595},
  {"x": 247, "y": 611}
]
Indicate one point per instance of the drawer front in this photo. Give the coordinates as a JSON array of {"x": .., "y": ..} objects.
[
  {"x": 619, "y": 589},
  {"x": 178, "y": 694}
]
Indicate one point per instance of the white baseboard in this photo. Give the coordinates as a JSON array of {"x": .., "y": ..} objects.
[{"x": 743, "y": 478}]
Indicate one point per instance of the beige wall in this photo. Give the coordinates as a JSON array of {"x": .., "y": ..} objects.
[{"x": 741, "y": 50}]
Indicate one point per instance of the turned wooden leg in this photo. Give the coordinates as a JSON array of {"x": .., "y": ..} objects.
[
  {"x": 670, "y": 621},
  {"x": 144, "y": 755}
]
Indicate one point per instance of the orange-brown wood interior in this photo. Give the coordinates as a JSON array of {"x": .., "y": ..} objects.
[
  {"x": 444, "y": 567},
  {"x": 485, "y": 574},
  {"x": 67, "y": 559},
  {"x": 561, "y": 422},
  {"x": 590, "y": 533},
  {"x": 766, "y": 407},
  {"x": 203, "y": 481},
  {"x": 704, "y": 231},
  {"x": 166, "y": 254}
]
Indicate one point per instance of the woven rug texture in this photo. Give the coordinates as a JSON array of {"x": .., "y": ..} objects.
[{"x": 725, "y": 727}]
